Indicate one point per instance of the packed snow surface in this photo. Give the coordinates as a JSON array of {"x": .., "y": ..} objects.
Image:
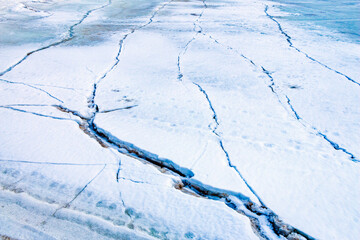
[{"x": 181, "y": 119}]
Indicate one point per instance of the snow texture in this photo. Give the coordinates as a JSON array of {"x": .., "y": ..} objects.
[{"x": 197, "y": 119}]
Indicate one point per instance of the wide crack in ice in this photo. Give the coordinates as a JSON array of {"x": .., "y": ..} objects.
[{"x": 264, "y": 221}]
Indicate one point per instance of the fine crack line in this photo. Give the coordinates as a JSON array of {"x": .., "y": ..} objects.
[
  {"x": 91, "y": 99},
  {"x": 35, "y": 10},
  {"x": 68, "y": 204},
  {"x": 28, "y": 85},
  {"x": 325, "y": 137},
  {"x": 182, "y": 53},
  {"x": 53, "y": 163},
  {"x": 61, "y": 87},
  {"x": 197, "y": 29},
  {"x": 239, "y": 173},
  {"x": 272, "y": 86},
  {"x": 118, "y": 171},
  {"x": 142, "y": 182},
  {"x": 117, "y": 109},
  {"x": 288, "y": 39},
  {"x": 66, "y": 39},
  {"x": 200, "y": 156},
  {"x": 71, "y": 30},
  {"x": 214, "y": 130},
  {"x": 38, "y": 114},
  {"x": 26, "y": 105},
  {"x": 131, "y": 180},
  {"x": 337, "y": 147},
  {"x": 304, "y": 123},
  {"x": 214, "y": 115}
]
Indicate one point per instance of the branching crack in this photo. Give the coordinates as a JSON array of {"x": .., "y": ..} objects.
[
  {"x": 273, "y": 88},
  {"x": 319, "y": 133},
  {"x": 30, "y": 86},
  {"x": 105, "y": 139},
  {"x": 288, "y": 39},
  {"x": 91, "y": 99},
  {"x": 214, "y": 115},
  {"x": 214, "y": 130},
  {"x": 77, "y": 194},
  {"x": 70, "y": 36},
  {"x": 336, "y": 146},
  {"x": 197, "y": 29},
  {"x": 237, "y": 201},
  {"x": 262, "y": 218}
]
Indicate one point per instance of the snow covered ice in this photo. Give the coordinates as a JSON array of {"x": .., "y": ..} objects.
[{"x": 196, "y": 119}]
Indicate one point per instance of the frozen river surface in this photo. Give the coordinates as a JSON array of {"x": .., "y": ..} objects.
[
  {"x": 342, "y": 16},
  {"x": 183, "y": 119}
]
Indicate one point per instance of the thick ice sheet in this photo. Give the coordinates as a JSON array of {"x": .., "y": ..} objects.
[{"x": 112, "y": 106}]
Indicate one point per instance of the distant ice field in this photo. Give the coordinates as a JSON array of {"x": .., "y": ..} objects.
[{"x": 343, "y": 16}]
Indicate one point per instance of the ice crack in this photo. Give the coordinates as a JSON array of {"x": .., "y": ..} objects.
[
  {"x": 214, "y": 130},
  {"x": 35, "y": 113},
  {"x": 272, "y": 86},
  {"x": 265, "y": 222},
  {"x": 288, "y": 39},
  {"x": 106, "y": 139},
  {"x": 91, "y": 99},
  {"x": 52, "y": 163},
  {"x": 214, "y": 115},
  {"x": 197, "y": 29},
  {"x": 134, "y": 151},
  {"x": 303, "y": 122},
  {"x": 332, "y": 143},
  {"x": 36, "y": 88},
  {"x": 74, "y": 198},
  {"x": 66, "y": 39}
]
